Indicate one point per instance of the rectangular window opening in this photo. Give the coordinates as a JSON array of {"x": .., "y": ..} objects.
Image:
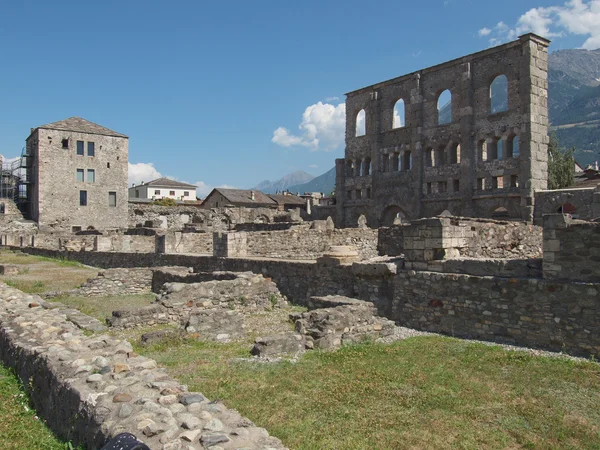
[
  {"x": 429, "y": 188},
  {"x": 91, "y": 176},
  {"x": 82, "y": 198},
  {"x": 112, "y": 199},
  {"x": 514, "y": 181},
  {"x": 172, "y": 193},
  {"x": 91, "y": 149},
  {"x": 157, "y": 192},
  {"x": 65, "y": 143},
  {"x": 75, "y": 229},
  {"x": 80, "y": 176},
  {"x": 456, "y": 185},
  {"x": 480, "y": 184},
  {"x": 186, "y": 193},
  {"x": 80, "y": 148}
]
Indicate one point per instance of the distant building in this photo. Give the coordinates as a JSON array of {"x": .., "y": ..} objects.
[
  {"x": 288, "y": 201},
  {"x": 221, "y": 197},
  {"x": 163, "y": 188},
  {"x": 76, "y": 176}
]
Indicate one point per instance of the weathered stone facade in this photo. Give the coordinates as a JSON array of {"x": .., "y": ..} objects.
[
  {"x": 469, "y": 158},
  {"x": 79, "y": 176}
]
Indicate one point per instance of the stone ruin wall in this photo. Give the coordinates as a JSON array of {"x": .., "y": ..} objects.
[
  {"x": 91, "y": 388},
  {"x": 586, "y": 202},
  {"x": 571, "y": 249},
  {"x": 391, "y": 170},
  {"x": 472, "y": 238},
  {"x": 504, "y": 305}
]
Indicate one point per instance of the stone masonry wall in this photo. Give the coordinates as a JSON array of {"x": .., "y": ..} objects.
[
  {"x": 91, "y": 388},
  {"x": 459, "y": 237},
  {"x": 586, "y": 202},
  {"x": 562, "y": 316},
  {"x": 118, "y": 282},
  {"x": 571, "y": 249}
]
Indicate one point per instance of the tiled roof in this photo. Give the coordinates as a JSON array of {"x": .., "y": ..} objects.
[
  {"x": 80, "y": 125},
  {"x": 288, "y": 199},
  {"x": 244, "y": 196},
  {"x": 165, "y": 182}
]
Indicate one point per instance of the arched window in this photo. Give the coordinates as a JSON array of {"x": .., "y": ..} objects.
[
  {"x": 438, "y": 159},
  {"x": 356, "y": 166},
  {"x": 444, "y": 107},
  {"x": 407, "y": 160},
  {"x": 395, "y": 162},
  {"x": 399, "y": 113},
  {"x": 361, "y": 123},
  {"x": 349, "y": 168},
  {"x": 499, "y": 94},
  {"x": 567, "y": 208},
  {"x": 482, "y": 150},
  {"x": 454, "y": 153},
  {"x": 429, "y": 158},
  {"x": 512, "y": 147},
  {"x": 367, "y": 166},
  {"x": 500, "y": 213},
  {"x": 492, "y": 149}
]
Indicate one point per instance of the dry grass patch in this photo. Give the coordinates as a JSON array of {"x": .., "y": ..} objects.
[
  {"x": 423, "y": 392},
  {"x": 38, "y": 274},
  {"x": 102, "y": 307}
]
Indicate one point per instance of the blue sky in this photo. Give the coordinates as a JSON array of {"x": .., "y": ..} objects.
[{"x": 235, "y": 92}]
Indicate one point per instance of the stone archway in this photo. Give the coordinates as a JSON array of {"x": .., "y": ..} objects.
[{"x": 390, "y": 215}]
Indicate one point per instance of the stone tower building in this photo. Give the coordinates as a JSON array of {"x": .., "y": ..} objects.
[
  {"x": 468, "y": 136},
  {"x": 78, "y": 176}
]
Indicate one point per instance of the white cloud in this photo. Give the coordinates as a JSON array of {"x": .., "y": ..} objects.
[
  {"x": 578, "y": 17},
  {"x": 142, "y": 172},
  {"x": 313, "y": 166},
  {"x": 331, "y": 99},
  {"x": 322, "y": 127}
]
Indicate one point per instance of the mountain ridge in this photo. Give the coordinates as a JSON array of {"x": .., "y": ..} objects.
[{"x": 283, "y": 184}]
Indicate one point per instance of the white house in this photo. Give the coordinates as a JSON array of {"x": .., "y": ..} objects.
[{"x": 163, "y": 188}]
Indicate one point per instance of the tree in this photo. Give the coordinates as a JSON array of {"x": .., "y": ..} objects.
[{"x": 561, "y": 165}]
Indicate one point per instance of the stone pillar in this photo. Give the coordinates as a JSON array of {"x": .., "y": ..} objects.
[
  {"x": 534, "y": 129},
  {"x": 229, "y": 244}
]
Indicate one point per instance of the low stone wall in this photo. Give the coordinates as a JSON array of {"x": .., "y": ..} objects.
[
  {"x": 530, "y": 312},
  {"x": 585, "y": 202},
  {"x": 458, "y": 237},
  {"x": 562, "y": 316},
  {"x": 91, "y": 388},
  {"x": 186, "y": 242},
  {"x": 571, "y": 249},
  {"x": 180, "y": 303},
  {"x": 118, "y": 282},
  {"x": 310, "y": 243}
]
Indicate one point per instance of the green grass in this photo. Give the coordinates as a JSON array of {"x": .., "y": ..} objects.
[
  {"x": 17, "y": 257},
  {"x": 102, "y": 307},
  {"x": 420, "y": 393},
  {"x": 28, "y": 286},
  {"x": 19, "y": 427}
]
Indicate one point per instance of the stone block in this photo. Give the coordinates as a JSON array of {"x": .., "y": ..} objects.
[
  {"x": 279, "y": 344},
  {"x": 9, "y": 269}
]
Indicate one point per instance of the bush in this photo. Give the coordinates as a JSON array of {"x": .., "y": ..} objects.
[{"x": 165, "y": 202}]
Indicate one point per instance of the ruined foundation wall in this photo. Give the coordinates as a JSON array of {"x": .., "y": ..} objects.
[
  {"x": 91, "y": 388},
  {"x": 585, "y": 201}
]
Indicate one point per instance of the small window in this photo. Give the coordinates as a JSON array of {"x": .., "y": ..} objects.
[
  {"x": 456, "y": 185},
  {"x": 82, "y": 198},
  {"x": 91, "y": 149},
  {"x": 137, "y": 193},
  {"x": 407, "y": 160},
  {"x": 80, "y": 175},
  {"x": 108, "y": 165},
  {"x": 514, "y": 181},
  {"x": 80, "y": 148},
  {"x": 112, "y": 199},
  {"x": 186, "y": 193},
  {"x": 368, "y": 192},
  {"x": 65, "y": 143},
  {"x": 480, "y": 184},
  {"x": 442, "y": 187},
  {"x": 429, "y": 188},
  {"x": 75, "y": 229},
  {"x": 358, "y": 194},
  {"x": 91, "y": 176},
  {"x": 171, "y": 192}
]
